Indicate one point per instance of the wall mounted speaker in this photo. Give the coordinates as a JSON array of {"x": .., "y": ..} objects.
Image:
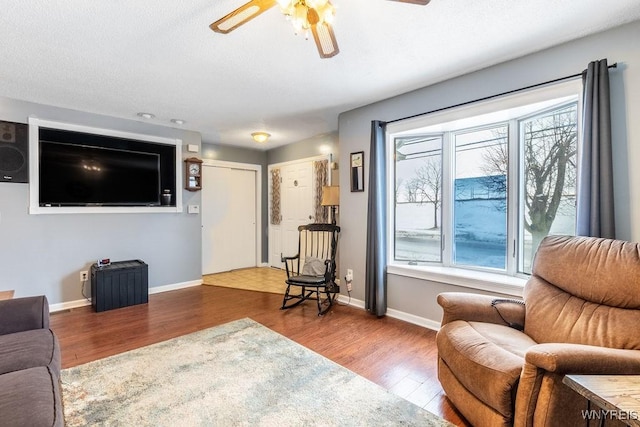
[{"x": 14, "y": 152}]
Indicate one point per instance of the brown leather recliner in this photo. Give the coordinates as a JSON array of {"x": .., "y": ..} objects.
[{"x": 581, "y": 315}]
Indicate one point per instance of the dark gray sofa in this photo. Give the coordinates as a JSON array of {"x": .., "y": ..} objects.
[{"x": 30, "y": 393}]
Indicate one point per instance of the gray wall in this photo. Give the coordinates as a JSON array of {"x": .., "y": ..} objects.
[
  {"x": 311, "y": 147},
  {"x": 43, "y": 254},
  {"x": 620, "y": 45}
]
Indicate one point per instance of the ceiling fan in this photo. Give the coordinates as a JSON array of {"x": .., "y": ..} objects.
[{"x": 305, "y": 15}]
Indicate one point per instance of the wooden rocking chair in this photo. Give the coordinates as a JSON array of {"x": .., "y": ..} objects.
[{"x": 313, "y": 269}]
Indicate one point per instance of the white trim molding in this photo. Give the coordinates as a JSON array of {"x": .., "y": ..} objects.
[
  {"x": 53, "y": 308},
  {"x": 34, "y": 170},
  {"x": 473, "y": 279},
  {"x": 396, "y": 314}
]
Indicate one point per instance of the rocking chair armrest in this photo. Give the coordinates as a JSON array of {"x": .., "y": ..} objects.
[{"x": 289, "y": 259}]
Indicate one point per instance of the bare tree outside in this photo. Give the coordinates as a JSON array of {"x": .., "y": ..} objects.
[
  {"x": 494, "y": 166},
  {"x": 418, "y": 196},
  {"x": 550, "y": 145},
  {"x": 426, "y": 186}
]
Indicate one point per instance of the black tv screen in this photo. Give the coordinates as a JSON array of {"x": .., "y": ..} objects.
[{"x": 72, "y": 174}]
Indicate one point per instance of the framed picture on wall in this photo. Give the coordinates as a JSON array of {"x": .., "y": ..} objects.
[{"x": 357, "y": 171}]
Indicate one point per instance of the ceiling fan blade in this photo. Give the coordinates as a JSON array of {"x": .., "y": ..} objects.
[
  {"x": 325, "y": 40},
  {"x": 241, "y": 15},
  {"x": 422, "y": 2}
]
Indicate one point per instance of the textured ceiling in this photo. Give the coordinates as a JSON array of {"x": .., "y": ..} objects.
[{"x": 119, "y": 58}]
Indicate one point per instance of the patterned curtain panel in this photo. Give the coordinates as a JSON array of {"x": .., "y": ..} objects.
[
  {"x": 320, "y": 169},
  {"x": 276, "y": 215}
]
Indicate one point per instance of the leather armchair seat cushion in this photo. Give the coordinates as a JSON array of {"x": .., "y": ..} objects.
[
  {"x": 486, "y": 360},
  {"x": 28, "y": 349}
]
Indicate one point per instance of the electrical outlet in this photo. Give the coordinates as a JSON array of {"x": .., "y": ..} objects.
[
  {"x": 84, "y": 276},
  {"x": 349, "y": 278}
]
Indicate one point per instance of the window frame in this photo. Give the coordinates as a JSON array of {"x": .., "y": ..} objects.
[{"x": 509, "y": 281}]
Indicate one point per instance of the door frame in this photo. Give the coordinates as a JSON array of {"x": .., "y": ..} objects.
[
  {"x": 258, "y": 170},
  {"x": 328, "y": 157}
]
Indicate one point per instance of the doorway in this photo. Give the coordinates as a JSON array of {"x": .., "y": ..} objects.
[
  {"x": 296, "y": 206},
  {"x": 230, "y": 216}
]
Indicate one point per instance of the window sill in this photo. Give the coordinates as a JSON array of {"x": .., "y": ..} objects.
[{"x": 479, "y": 280}]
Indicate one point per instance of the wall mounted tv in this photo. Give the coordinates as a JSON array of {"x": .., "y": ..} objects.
[{"x": 85, "y": 169}]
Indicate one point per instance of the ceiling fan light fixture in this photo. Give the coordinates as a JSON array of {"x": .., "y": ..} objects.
[
  {"x": 326, "y": 12},
  {"x": 304, "y": 14},
  {"x": 315, "y": 16},
  {"x": 260, "y": 137}
]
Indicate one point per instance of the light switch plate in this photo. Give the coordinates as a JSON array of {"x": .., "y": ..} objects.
[{"x": 193, "y": 209}]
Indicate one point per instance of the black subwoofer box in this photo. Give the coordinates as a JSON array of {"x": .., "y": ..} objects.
[
  {"x": 119, "y": 284},
  {"x": 14, "y": 152}
]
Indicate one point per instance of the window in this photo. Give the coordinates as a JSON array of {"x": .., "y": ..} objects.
[
  {"x": 478, "y": 188},
  {"x": 418, "y": 196}
]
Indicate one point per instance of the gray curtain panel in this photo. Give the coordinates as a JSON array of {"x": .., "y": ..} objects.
[
  {"x": 595, "y": 214},
  {"x": 376, "y": 260}
]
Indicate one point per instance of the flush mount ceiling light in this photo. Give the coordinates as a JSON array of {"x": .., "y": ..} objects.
[
  {"x": 305, "y": 15},
  {"x": 178, "y": 121},
  {"x": 260, "y": 136},
  {"x": 146, "y": 115}
]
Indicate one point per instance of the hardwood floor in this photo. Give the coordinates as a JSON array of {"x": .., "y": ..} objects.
[{"x": 394, "y": 354}]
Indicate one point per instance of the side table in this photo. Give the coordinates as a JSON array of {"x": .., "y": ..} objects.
[{"x": 618, "y": 396}]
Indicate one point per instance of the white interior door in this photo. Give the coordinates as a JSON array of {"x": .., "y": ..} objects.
[
  {"x": 275, "y": 246},
  {"x": 228, "y": 219},
  {"x": 297, "y": 203}
]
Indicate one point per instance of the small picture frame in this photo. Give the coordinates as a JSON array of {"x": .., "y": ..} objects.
[{"x": 357, "y": 171}]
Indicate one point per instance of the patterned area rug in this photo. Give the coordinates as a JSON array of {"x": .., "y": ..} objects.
[{"x": 239, "y": 374}]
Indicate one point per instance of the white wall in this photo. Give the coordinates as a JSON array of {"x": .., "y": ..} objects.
[
  {"x": 43, "y": 254},
  {"x": 417, "y": 297}
]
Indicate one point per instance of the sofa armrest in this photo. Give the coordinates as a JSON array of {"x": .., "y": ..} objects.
[
  {"x": 565, "y": 358},
  {"x": 480, "y": 308},
  {"x": 24, "y": 314}
]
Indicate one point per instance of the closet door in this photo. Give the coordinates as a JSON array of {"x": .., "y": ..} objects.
[{"x": 228, "y": 219}]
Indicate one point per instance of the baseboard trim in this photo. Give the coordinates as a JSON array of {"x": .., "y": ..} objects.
[
  {"x": 396, "y": 314},
  {"x": 174, "y": 286},
  {"x": 62, "y": 306},
  {"x": 155, "y": 290}
]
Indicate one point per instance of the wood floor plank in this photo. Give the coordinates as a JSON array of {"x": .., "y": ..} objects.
[{"x": 386, "y": 351}]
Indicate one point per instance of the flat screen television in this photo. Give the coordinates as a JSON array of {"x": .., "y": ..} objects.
[{"x": 73, "y": 174}]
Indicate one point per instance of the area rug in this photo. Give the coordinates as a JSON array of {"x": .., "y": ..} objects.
[{"x": 237, "y": 374}]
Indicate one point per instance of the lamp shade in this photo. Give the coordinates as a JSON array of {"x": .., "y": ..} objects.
[{"x": 330, "y": 196}]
